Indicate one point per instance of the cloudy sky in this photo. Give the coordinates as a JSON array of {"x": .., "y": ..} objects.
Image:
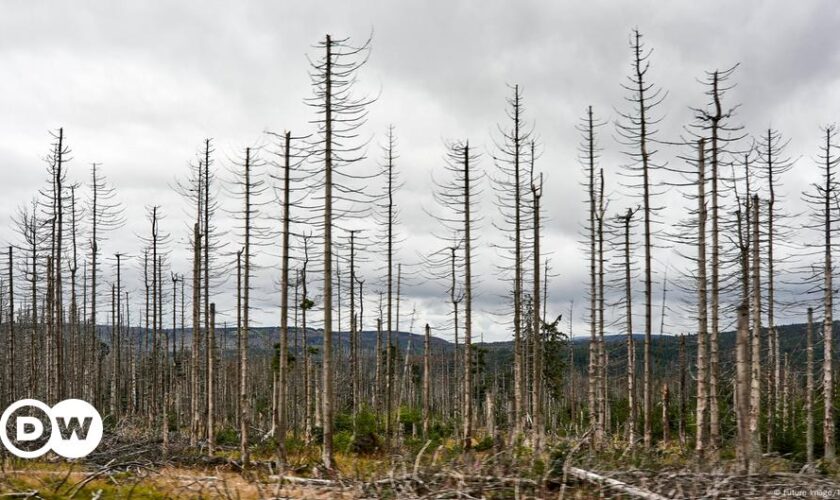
[{"x": 138, "y": 85}]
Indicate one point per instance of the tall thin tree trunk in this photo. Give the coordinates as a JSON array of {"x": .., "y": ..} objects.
[
  {"x": 211, "y": 411},
  {"x": 13, "y": 365},
  {"x": 196, "y": 327},
  {"x": 714, "y": 405},
  {"x": 327, "y": 365},
  {"x": 601, "y": 365},
  {"x": 755, "y": 388},
  {"x": 536, "y": 328},
  {"x": 809, "y": 388},
  {"x": 519, "y": 356},
  {"x": 244, "y": 402},
  {"x": 631, "y": 344},
  {"x": 828, "y": 324},
  {"x": 742, "y": 388},
  {"x": 593, "y": 283},
  {"x": 389, "y": 362},
  {"x": 282, "y": 382},
  {"x": 468, "y": 382},
  {"x": 666, "y": 424},
  {"x": 683, "y": 388},
  {"x": 702, "y": 309},
  {"x": 427, "y": 373}
]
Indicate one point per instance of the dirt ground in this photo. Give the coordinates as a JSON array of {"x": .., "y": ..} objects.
[{"x": 44, "y": 482}]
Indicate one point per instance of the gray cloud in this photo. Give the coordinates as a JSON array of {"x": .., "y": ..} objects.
[{"x": 138, "y": 86}]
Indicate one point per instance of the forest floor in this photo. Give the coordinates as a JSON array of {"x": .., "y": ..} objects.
[{"x": 139, "y": 469}]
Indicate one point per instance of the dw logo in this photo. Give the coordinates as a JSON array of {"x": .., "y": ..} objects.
[{"x": 71, "y": 428}]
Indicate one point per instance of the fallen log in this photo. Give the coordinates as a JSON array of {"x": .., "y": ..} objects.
[
  {"x": 585, "y": 475},
  {"x": 303, "y": 480}
]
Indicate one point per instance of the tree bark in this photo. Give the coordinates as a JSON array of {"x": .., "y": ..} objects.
[
  {"x": 755, "y": 387},
  {"x": 809, "y": 388},
  {"x": 282, "y": 382}
]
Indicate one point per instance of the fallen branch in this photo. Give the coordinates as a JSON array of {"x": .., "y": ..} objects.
[
  {"x": 615, "y": 484},
  {"x": 304, "y": 480}
]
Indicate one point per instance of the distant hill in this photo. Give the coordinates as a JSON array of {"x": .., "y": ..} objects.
[
  {"x": 665, "y": 348},
  {"x": 260, "y": 338}
]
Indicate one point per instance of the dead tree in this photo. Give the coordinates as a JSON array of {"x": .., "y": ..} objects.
[
  {"x": 712, "y": 122},
  {"x": 537, "y": 327},
  {"x": 340, "y": 114},
  {"x": 809, "y": 388},
  {"x": 683, "y": 388},
  {"x": 828, "y": 192},
  {"x": 755, "y": 388},
  {"x": 588, "y": 155},
  {"x": 626, "y": 221},
  {"x": 355, "y": 328},
  {"x": 249, "y": 187},
  {"x": 510, "y": 186},
  {"x": 636, "y": 130},
  {"x": 388, "y": 219},
  {"x": 211, "y": 413},
  {"x": 600, "y": 369},
  {"x": 457, "y": 199},
  {"x": 32, "y": 238},
  {"x": 196, "y": 342},
  {"x": 774, "y": 163},
  {"x": 824, "y": 214},
  {"x": 742, "y": 388},
  {"x": 58, "y": 162},
  {"x": 207, "y": 206},
  {"x": 427, "y": 374},
  {"x": 282, "y": 382},
  {"x": 12, "y": 364},
  {"x": 702, "y": 304}
]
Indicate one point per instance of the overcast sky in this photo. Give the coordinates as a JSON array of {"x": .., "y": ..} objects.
[{"x": 137, "y": 86}]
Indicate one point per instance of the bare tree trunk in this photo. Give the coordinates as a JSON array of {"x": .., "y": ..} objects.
[
  {"x": 714, "y": 406},
  {"x": 468, "y": 382},
  {"x": 702, "y": 309},
  {"x": 631, "y": 344},
  {"x": 600, "y": 371},
  {"x": 536, "y": 328},
  {"x": 327, "y": 368},
  {"x": 683, "y": 387},
  {"x": 593, "y": 283},
  {"x": 377, "y": 392},
  {"x": 643, "y": 106},
  {"x": 58, "y": 283},
  {"x": 518, "y": 358},
  {"x": 786, "y": 394},
  {"x": 828, "y": 324},
  {"x": 809, "y": 388},
  {"x": 389, "y": 349},
  {"x": 11, "y": 321},
  {"x": 115, "y": 346},
  {"x": 244, "y": 402},
  {"x": 206, "y": 229},
  {"x": 427, "y": 373},
  {"x": 354, "y": 332},
  {"x": 112, "y": 399},
  {"x": 211, "y": 411},
  {"x": 307, "y": 358},
  {"x": 742, "y": 398},
  {"x": 755, "y": 388},
  {"x": 282, "y": 382},
  {"x": 196, "y": 326},
  {"x": 773, "y": 334},
  {"x": 666, "y": 401}
]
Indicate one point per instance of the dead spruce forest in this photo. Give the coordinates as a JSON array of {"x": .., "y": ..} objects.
[{"x": 344, "y": 375}]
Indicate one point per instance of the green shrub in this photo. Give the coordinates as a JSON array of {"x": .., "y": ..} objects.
[
  {"x": 485, "y": 444},
  {"x": 227, "y": 437}
]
